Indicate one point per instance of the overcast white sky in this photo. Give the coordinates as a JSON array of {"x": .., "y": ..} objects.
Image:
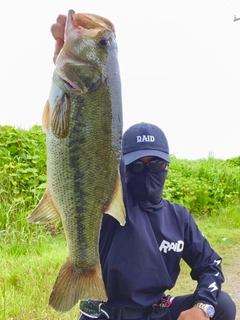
[{"x": 179, "y": 63}]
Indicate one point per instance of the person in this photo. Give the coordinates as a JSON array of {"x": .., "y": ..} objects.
[{"x": 141, "y": 260}]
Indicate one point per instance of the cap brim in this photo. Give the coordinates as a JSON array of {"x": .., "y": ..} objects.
[{"x": 133, "y": 156}]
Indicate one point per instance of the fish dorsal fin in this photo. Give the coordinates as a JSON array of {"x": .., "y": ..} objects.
[
  {"x": 44, "y": 212},
  {"x": 116, "y": 207}
]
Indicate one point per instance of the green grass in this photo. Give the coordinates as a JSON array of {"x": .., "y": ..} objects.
[
  {"x": 30, "y": 264},
  {"x": 27, "y": 279}
]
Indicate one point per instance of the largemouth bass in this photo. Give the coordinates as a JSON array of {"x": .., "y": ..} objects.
[{"x": 83, "y": 123}]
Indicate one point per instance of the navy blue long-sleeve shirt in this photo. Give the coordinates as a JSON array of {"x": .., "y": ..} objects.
[{"x": 140, "y": 260}]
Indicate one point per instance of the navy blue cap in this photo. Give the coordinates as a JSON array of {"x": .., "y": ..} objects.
[{"x": 143, "y": 140}]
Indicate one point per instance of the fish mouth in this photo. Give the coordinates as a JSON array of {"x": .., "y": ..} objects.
[{"x": 88, "y": 23}]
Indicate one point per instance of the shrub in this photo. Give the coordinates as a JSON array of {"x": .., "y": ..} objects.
[{"x": 203, "y": 185}]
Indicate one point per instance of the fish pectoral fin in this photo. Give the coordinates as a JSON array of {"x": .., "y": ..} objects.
[
  {"x": 60, "y": 118},
  {"x": 116, "y": 207},
  {"x": 73, "y": 285},
  {"x": 44, "y": 212}
]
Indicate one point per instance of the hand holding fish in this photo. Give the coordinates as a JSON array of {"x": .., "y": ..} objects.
[{"x": 57, "y": 30}]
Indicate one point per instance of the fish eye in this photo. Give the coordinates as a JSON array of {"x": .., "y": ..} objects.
[{"x": 104, "y": 43}]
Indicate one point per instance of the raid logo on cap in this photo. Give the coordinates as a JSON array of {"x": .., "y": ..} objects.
[{"x": 145, "y": 138}]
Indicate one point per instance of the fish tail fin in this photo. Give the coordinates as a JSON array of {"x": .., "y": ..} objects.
[{"x": 73, "y": 285}]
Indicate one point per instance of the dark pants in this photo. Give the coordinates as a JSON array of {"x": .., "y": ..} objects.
[{"x": 225, "y": 310}]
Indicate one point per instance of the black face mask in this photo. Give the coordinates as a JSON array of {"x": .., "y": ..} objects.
[{"x": 147, "y": 187}]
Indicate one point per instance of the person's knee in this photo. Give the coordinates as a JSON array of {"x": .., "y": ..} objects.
[{"x": 226, "y": 308}]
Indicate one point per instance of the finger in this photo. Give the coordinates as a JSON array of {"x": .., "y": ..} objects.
[
  {"x": 58, "y": 46},
  {"x": 57, "y": 31},
  {"x": 61, "y": 19}
]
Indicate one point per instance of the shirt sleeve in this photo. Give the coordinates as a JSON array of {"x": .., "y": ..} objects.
[{"x": 205, "y": 264}]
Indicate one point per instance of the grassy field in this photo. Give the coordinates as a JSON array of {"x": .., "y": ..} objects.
[
  {"x": 27, "y": 279},
  {"x": 31, "y": 255},
  {"x": 30, "y": 265}
]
